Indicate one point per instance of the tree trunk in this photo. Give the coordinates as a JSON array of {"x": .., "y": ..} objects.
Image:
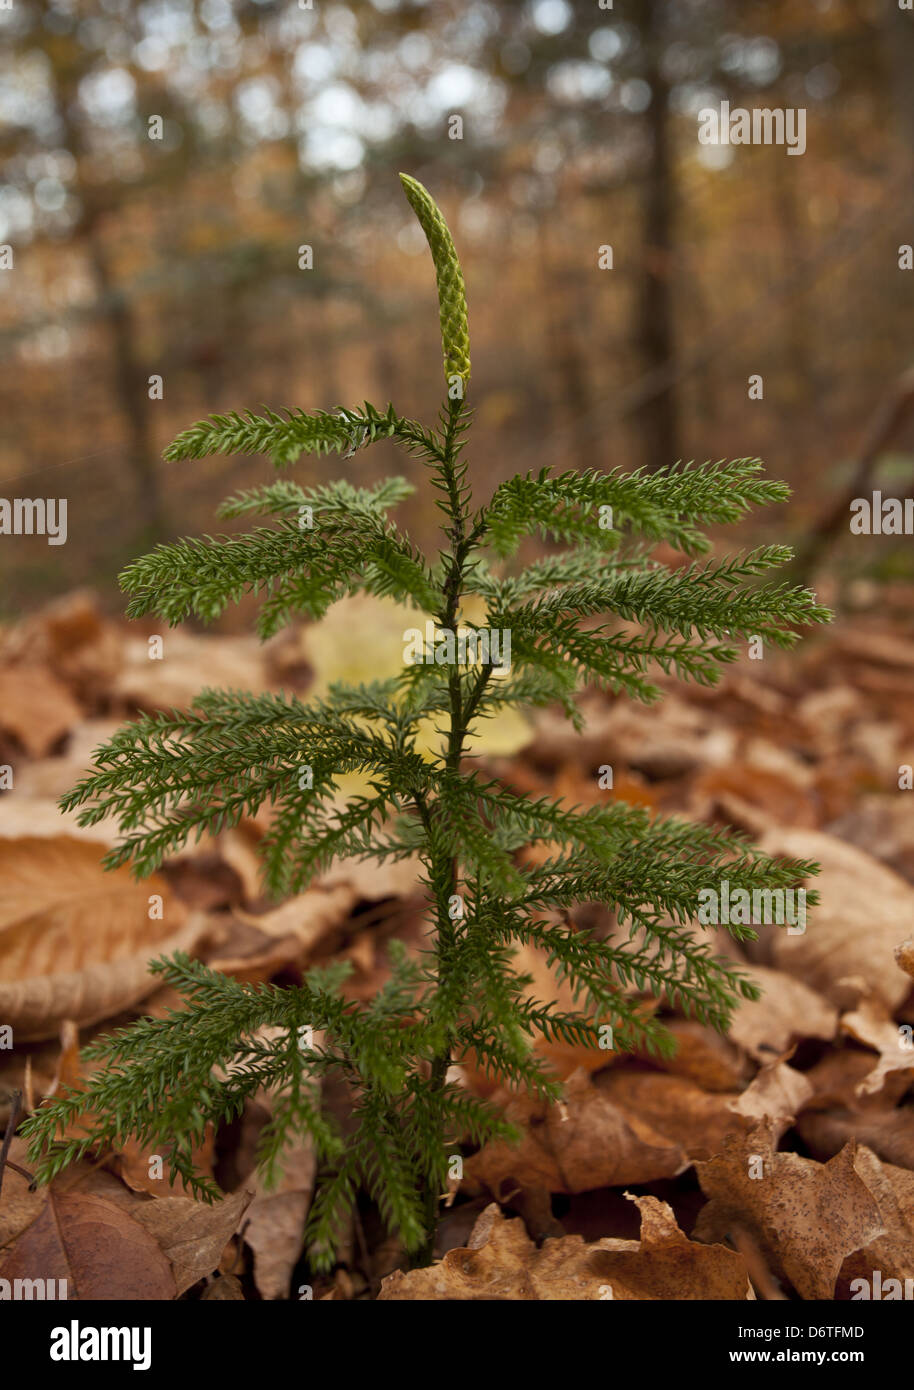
[{"x": 656, "y": 419}]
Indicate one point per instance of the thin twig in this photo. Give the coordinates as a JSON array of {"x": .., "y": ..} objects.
[
  {"x": 12, "y": 1122},
  {"x": 23, "y": 1173}
]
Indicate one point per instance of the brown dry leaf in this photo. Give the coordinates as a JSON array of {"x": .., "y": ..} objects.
[
  {"x": 275, "y": 1221},
  {"x": 853, "y": 931},
  {"x": 753, "y": 797},
  {"x": 892, "y": 1253},
  {"x": 36, "y": 708},
  {"x": 192, "y": 1235},
  {"x": 787, "y": 1011},
  {"x": 44, "y": 781},
  {"x": 866, "y": 644},
  {"x": 75, "y": 940},
  {"x": 777, "y": 1094},
  {"x": 889, "y": 1133},
  {"x": 587, "y": 1141},
  {"x": 705, "y": 1057},
  {"x": 239, "y": 852},
  {"x": 101, "y": 1251},
  {"x": 501, "y": 1263},
  {"x": 904, "y": 955},
  {"x": 665, "y": 1264},
  {"x": 373, "y": 882},
  {"x": 191, "y": 662},
  {"x": 19, "y": 1206},
  {"x": 806, "y": 1217},
  {"x": 132, "y": 1163},
  {"x": 836, "y": 1079},
  {"x": 69, "y": 1076},
  {"x": 664, "y": 743},
  {"x": 307, "y": 917},
  {"x": 872, "y": 1026},
  {"x": 291, "y": 933},
  {"x": 673, "y": 1106},
  {"x": 882, "y": 826},
  {"x": 825, "y": 714},
  {"x": 74, "y": 638},
  {"x": 248, "y": 955},
  {"x": 564, "y": 1058},
  {"x": 225, "y": 1288},
  {"x": 38, "y": 817}
]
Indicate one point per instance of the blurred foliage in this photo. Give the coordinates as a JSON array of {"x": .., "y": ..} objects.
[{"x": 283, "y": 125}]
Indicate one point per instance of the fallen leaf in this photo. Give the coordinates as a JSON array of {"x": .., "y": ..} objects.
[
  {"x": 132, "y": 1164},
  {"x": 702, "y": 1055},
  {"x": 101, "y": 1251},
  {"x": 777, "y": 1095},
  {"x": 47, "y": 779},
  {"x": 806, "y": 1217},
  {"x": 191, "y": 662},
  {"x": 192, "y": 1235},
  {"x": 73, "y": 637},
  {"x": 836, "y": 1079},
  {"x": 665, "y": 1264},
  {"x": 19, "y": 1205},
  {"x": 502, "y": 1263},
  {"x": 687, "y": 1117},
  {"x": 275, "y": 1221},
  {"x": 787, "y": 1011},
  {"x": 889, "y": 1133},
  {"x": 892, "y": 1252},
  {"x": 38, "y": 817},
  {"x": 872, "y": 1026},
  {"x": 586, "y": 1141},
  {"x": 75, "y": 940},
  {"x": 36, "y": 708},
  {"x": 853, "y": 931}
]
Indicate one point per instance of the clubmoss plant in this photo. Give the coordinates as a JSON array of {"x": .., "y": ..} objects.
[{"x": 596, "y": 610}]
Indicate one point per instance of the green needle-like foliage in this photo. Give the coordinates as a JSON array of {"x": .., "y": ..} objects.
[{"x": 597, "y": 610}]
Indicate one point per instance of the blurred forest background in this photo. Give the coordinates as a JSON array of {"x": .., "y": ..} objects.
[{"x": 284, "y": 124}]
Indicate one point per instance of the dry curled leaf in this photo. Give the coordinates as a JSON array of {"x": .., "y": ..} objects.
[
  {"x": 853, "y": 932},
  {"x": 133, "y": 1166},
  {"x": 889, "y": 1133},
  {"x": 704, "y": 1056},
  {"x": 501, "y": 1262},
  {"x": 871, "y": 1025},
  {"x": 98, "y": 1248},
  {"x": 805, "y": 1217},
  {"x": 275, "y": 1221},
  {"x": 109, "y": 1242},
  {"x": 36, "y": 708},
  {"x": 191, "y": 661},
  {"x": 892, "y": 1252},
  {"x": 788, "y": 1010},
  {"x": 192, "y": 1235},
  {"x": 665, "y": 1264},
  {"x": 586, "y": 1141},
  {"x": 686, "y": 1116},
  {"x": 39, "y": 817},
  {"x": 75, "y": 940},
  {"x": 777, "y": 1095}
]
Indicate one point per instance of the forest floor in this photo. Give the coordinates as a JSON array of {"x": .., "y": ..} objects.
[{"x": 775, "y": 1162}]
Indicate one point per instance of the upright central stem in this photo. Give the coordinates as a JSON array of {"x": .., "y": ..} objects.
[{"x": 444, "y": 873}]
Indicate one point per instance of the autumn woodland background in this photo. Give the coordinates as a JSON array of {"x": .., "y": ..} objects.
[
  {"x": 286, "y": 126},
  {"x": 178, "y": 257}
]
